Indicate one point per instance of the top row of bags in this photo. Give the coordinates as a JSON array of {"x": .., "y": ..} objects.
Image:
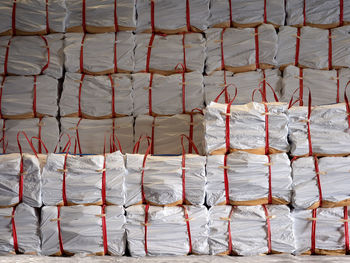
[
  {"x": 31, "y": 17},
  {"x": 231, "y": 49}
]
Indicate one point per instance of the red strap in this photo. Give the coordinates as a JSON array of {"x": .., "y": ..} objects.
[
  {"x": 346, "y": 100},
  {"x": 116, "y": 28},
  {"x": 304, "y": 13},
  {"x": 187, "y": 219},
  {"x": 270, "y": 180},
  {"x": 34, "y": 97},
  {"x": 113, "y": 96},
  {"x": 267, "y": 139},
  {"x": 188, "y": 16},
  {"x": 79, "y": 95},
  {"x": 143, "y": 174},
  {"x": 152, "y": 136},
  {"x": 14, "y": 18},
  {"x": 20, "y": 186},
  {"x": 39, "y": 135},
  {"x": 2, "y": 86},
  {"x": 3, "y": 135},
  {"x": 229, "y": 231},
  {"x": 150, "y": 112},
  {"x": 14, "y": 232},
  {"x": 103, "y": 190},
  {"x": 82, "y": 53},
  {"x": 83, "y": 15},
  {"x": 191, "y": 132},
  {"x": 48, "y": 54},
  {"x": 115, "y": 54},
  {"x": 59, "y": 229},
  {"x": 265, "y": 15},
  {"x": 104, "y": 230},
  {"x": 184, "y": 51},
  {"x": 227, "y": 123},
  {"x": 77, "y": 133},
  {"x": 313, "y": 231},
  {"x": 338, "y": 87},
  {"x": 309, "y": 126},
  {"x": 301, "y": 87},
  {"x": 227, "y": 186},
  {"x": 183, "y": 86},
  {"x": 152, "y": 17},
  {"x": 222, "y": 49},
  {"x": 264, "y": 85},
  {"x": 297, "y": 47},
  {"x": 346, "y": 230},
  {"x": 137, "y": 144},
  {"x": 7, "y": 53},
  {"x": 268, "y": 229},
  {"x": 341, "y": 12},
  {"x": 47, "y": 17},
  {"x": 230, "y": 6},
  {"x": 29, "y": 142},
  {"x": 257, "y": 62},
  {"x": 149, "y": 50},
  {"x": 64, "y": 195},
  {"x": 330, "y": 63},
  {"x": 317, "y": 171},
  {"x": 146, "y": 224}
]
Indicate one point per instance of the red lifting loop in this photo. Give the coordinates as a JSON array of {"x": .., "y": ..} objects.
[
  {"x": 77, "y": 137},
  {"x": 83, "y": 15},
  {"x": 143, "y": 174},
  {"x": 195, "y": 110},
  {"x": 227, "y": 121},
  {"x": 48, "y": 54},
  {"x": 187, "y": 219},
  {"x": 227, "y": 185},
  {"x": 115, "y": 54},
  {"x": 137, "y": 144},
  {"x": 29, "y": 142},
  {"x": 47, "y": 17},
  {"x": 82, "y": 54},
  {"x": 346, "y": 100},
  {"x": 59, "y": 230},
  {"x": 104, "y": 230},
  {"x": 330, "y": 63},
  {"x": 14, "y": 232},
  {"x": 346, "y": 230},
  {"x": 40, "y": 141},
  {"x": 150, "y": 111},
  {"x": 115, "y": 148},
  {"x": 116, "y": 27},
  {"x": 146, "y": 225},
  {"x": 113, "y": 95},
  {"x": 268, "y": 229},
  {"x": 297, "y": 48},
  {"x": 229, "y": 231},
  {"x": 313, "y": 231},
  {"x": 79, "y": 95},
  {"x": 257, "y": 57},
  {"x": 149, "y": 50},
  {"x": 14, "y": 18},
  {"x": 309, "y": 125}
]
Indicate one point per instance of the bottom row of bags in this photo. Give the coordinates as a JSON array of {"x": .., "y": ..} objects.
[{"x": 179, "y": 230}]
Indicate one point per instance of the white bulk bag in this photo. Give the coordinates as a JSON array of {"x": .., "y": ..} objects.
[
  {"x": 165, "y": 132},
  {"x": 247, "y": 127},
  {"x": 326, "y": 86},
  {"x": 328, "y": 189},
  {"x": 246, "y": 13},
  {"x": 171, "y": 17},
  {"x": 90, "y": 179},
  {"x": 99, "y": 54},
  {"x": 314, "y": 47},
  {"x": 95, "y": 96},
  {"x": 160, "y": 179},
  {"x": 329, "y": 232},
  {"x": 323, "y": 14},
  {"x": 90, "y": 136},
  {"x": 100, "y": 15},
  {"x": 82, "y": 230},
  {"x": 28, "y": 97},
  {"x": 250, "y": 227},
  {"x": 163, "y": 95},
  {"x": 16, "y": 184},
  {"x": 21, "y": 222},
  {"x": 46, "y": 129},
  {"x": 28, "y": 55},
  {"x": 246, "y": 83},
  {"x": 165, "y": 52},
  {"x": 328, "y": 127},
  {"x": 239, "y": 48},
  {"x": 32, "y": 17},
  {"x": 165, "y": 231},
  {"x": 248, "y": 179}
]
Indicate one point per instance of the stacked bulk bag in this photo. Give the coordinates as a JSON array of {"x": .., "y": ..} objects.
[
  {"x": 250, "y": 230},
  {"x": 162, "y": 53},
  {"x": 100, "y": 16},
  {"x": 167, "y": 231},
  {"x": 326, "y": 86},
  {"x": 91, "y": 179},
  {"x": 92, "y": 136},
  {"x": 242, "y": 178},
  {"x": 89, "y": 230},
  {"x": 321, "y": 231},
  {"x": 96, "y": 97},
  {"x": 243, "y": 13},
  {"x": 169, "y": 17},
  {"x": 326, "y": 134},
  {"x": 324, "y": 14},
  {"x": 28, "y": 97},
  {"x": 46, "y": 129},
  {"x": 165, "y": 132},
  {"x": 240, "y": 50},
  {"x": 32, "y": 55},
  {"x": 320, "y": 182},
  {"x": 246, "y": 83},
  {"x": 99, "y": 54},
  {"x": 259, "y": 128},
  {"x": 30, "y": 17},
  {"x": 155, "y": 94},
  {"x": 313, "y": 47},
  {"x": 19, "y": 230},
  {"x": 20, "y": 180}
]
